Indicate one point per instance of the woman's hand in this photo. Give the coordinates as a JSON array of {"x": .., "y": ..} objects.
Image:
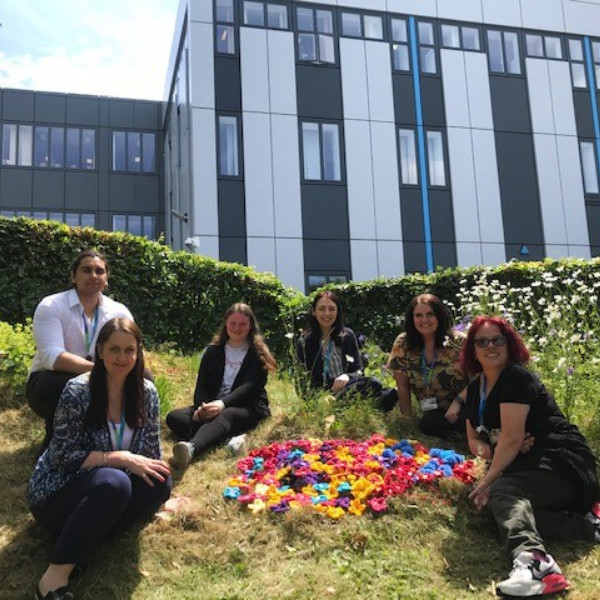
[
  {"x": 208, "y": 410},
  {"x": 527, "y": 444},
  {"x": 142, "y": 466},
  {"x": 339, "y": 383},
  {"x": 480, "y": 495},
  {"x": 453, "y": 411}
]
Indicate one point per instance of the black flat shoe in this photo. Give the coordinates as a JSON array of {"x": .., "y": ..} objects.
[{"x": 61, "y": 593}]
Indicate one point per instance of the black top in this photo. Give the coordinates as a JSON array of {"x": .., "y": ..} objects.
[
  {"x": 248, "y": 387},
  {"x": 311, "y": 356},
  {"x": 559, "y": 446}
]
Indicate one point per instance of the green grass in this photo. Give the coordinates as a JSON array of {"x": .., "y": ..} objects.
[{"x": 429, "y": 545}]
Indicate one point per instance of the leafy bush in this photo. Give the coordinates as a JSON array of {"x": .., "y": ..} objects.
[{"x": 16, "y": 352}]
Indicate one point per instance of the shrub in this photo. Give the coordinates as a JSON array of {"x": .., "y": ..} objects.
[{"x": 16, "y": 352}]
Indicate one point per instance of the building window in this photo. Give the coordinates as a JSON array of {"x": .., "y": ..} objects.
[
  {"x": 461, "y": 37},
  {"x": 408, "y": 157},
  {"x": 577, "y": 67},
  {"x": 17, "y": 145},
  {"x": 228, "y": 146},
  {"x": 400, "y": 53},
  {"x": 315, "y": 35},
  {"x": 70, "y": 219},
  {"x": 133, "y": 152},
  {"x": 225, "y": 26},
  {"x": 142, "y": 225},
  {"x": 321, "y": 152},
  {"x": 317, "y": 280},
  {"x": 504, "y": 55},
  {"x": 258, "y": 13},
  {"x": 427, "y": 48},
  {"x": 362, "y": 26},
  {"x": 543, "y": 46},
  {"x": 80, "y": 150},
  {"x": 596, "y": 59},
  {"x": 435, "y": 158},
  {"x": 588, "y": 167}
]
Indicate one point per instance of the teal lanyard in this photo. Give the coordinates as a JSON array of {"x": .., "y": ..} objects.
[
  {"x": 119, "y": 430},
  {"x": 427, "y": 368},
  {"x": 326, "y": 359},
  {"x": 89, "y": 339},
  {"x": 482, "y": 397}
]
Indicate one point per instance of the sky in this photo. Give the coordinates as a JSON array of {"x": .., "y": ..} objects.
[{"x": 116, "y": 48}]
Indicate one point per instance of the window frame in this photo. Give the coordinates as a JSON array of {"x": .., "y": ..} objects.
[
  {"x": 321, "y": 150},
  {"x": 317, "y": 35},
  {"x": 230, "y": 25},
  {"x": 592, "y": 161},
  {"x": 397, "y": 43},
  {"x": 238, "y": 148},
  {"x": 127, "y": 135},
  {"x": 503, "y": 33}
]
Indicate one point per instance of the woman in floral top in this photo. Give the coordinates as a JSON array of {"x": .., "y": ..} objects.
[
  {"x": 103, "y": 469},
  {"x": 424, "y": 361}
]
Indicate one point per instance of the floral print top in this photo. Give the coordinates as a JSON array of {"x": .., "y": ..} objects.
[
  {"x": 73, "y": 441},
  {"x": 442, "y": 380}
]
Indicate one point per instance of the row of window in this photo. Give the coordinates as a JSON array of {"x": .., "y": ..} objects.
[
  {"x": 315, "y": 38},
  {"x": 321, "y": 152},
  {"x": 143, "y": 225},
  {"x": 322, "y": 155},
  {"x": 55, "y": 147}
]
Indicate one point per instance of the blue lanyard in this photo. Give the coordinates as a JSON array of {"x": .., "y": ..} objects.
[
  {"x": 326, "y": 359},
  {"x": 427, "y": 368},
  {"x": 89, "y": 339},
  {"x": 482, "y": 396},
  {"x": 120, "y": 430}
]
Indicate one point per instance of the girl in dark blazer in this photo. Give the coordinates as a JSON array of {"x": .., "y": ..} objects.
[{"x": 230, "y": 396}]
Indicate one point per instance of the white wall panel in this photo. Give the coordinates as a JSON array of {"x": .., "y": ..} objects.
[
  {"x": 379, "y": 77},
  {"x": 468, "y": 254},
  {"x": 289, "y": 256},
  {"x": 540, "y": 97},
  {"x": 202, "y": 61},
  {"x": 503, "y": 12},
  {"x": 363, "y": 255},
  {"x": 254, "y": 69},
  {"x": 282, "y": 72},
  {"x": 204, "y": 174},
  {"x": 487, "y": 185},
  {"x": 258, "y": 178},
  {"x": 286, "y": 176},
  {"x": 551, "y": 202},
  {"x": 391, "y": 259},
  {"x": 464, "y": 189},
  {"x": 208, "y": 245},
  {"x": 388, "y": 221},
  {"x": 426, "y": 8},
  {"x": 200, "y": 11},
  {"x": 478, "y": 90},
  {"x": 359, "y": 176},
  {"x": 366, "y": 4},
  {"x": 460, "y": 10},
  {"x": 493, "y": 254},
  {"x": 582, "y": 17},
  {"x": 543, "y": 14},
  {"x": 261, "y": 253},
  {"x": 573, "y": 197},
  {"x": 455, "y": 88},
  {"x": 562, "y": 98},
  {"x": 555, "y": 251},
  {"x": 354, "y": 79}
]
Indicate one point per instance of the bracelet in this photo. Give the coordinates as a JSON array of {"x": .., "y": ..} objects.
[{"x": 105, "y": 459}]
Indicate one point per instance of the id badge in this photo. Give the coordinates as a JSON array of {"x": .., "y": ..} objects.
[{"x": 428, "y": 404}]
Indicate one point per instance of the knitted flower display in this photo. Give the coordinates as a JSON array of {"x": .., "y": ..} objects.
[{"x": 339, "y": 477}]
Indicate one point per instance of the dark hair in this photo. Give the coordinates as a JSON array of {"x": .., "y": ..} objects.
[
  {"x": 135, "y": 411},
  {"x": 517, "y": 351},
  {"x": 87, "y": 254},
  {"x": 414, "y": 340},
  {"x": 255, "y": 337},
  {"x": 314, "y": 329}
]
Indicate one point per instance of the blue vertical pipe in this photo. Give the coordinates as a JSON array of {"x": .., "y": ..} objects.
[{"x": 589, "y": 64}]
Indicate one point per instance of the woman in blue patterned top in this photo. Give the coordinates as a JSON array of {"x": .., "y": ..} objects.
[{"x": 103, "y": 469}]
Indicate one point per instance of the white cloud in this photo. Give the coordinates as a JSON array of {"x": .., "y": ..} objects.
[{"x": 104, "y": 47}]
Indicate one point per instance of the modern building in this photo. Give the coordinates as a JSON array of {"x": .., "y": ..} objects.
[
  {"x": 351, "y": 139},
  {"x": 336, "y": 140},
  {"x": 82, "y": 160}
]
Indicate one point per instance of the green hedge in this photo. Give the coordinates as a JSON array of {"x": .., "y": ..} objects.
[{"x": 177, "y": 298}]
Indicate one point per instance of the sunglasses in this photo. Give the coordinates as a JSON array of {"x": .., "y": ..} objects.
[{"x": 497, "y": 341}]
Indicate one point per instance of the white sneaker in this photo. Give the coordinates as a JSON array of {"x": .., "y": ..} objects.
[
  {"x": 183, "y": 453},
  {"x": 238, "y": 444},
  {"x": 533, "y": 574},
  {"x": 593, "y": 517}
]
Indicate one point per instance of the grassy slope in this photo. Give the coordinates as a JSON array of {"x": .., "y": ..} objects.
[{"x": 428, "y": 546}]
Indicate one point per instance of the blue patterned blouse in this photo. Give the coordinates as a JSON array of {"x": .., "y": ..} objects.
[{"x": 72, "y": 441}]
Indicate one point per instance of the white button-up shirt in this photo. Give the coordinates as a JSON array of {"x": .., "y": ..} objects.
[{"x": 58, "y": 326}]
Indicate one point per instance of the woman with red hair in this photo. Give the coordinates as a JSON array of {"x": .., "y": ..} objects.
[{"x": 542, "y": 493}]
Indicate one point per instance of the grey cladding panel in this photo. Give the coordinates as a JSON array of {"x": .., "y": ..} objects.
[
  {"x": 15, "y": 188},
  {"x": 432, "y": 97},
  {"x": 444, "y": 255},
  {"x": 50, "y": 108},
  {"x": 583, "y": 114},
  {"x": 81, "y": 191},
  {"x": 441, "y": 216},
  {"x": 232, "y": 209},
  {"x": 17, "y": 106},
  {"x": 319, "y": 91},
  {"x": 412, "y": 215},
  {"x": 48, "y": 189},
  {"x": 324, "y": 212},
  {"x": 404, "y": 99},
  {"x": 233, "y": 249},
  {"x": 593, "y": 218},
  {"x": 82, "y": 110},
  {"x": 121, "y": 113},
  {"x": 326, "y": 255},
  {"x": 146, "y": 115},
  {"x": 414, "y": 257},
  {"x": 510, "y": 104},
  {"x": 228, "y": 84}
]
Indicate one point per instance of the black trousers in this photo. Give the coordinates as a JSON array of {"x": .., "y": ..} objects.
[{"x": 231, "y": 421}]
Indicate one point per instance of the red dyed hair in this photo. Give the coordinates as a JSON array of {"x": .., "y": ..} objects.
[{"x": 517, "y": 351}]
